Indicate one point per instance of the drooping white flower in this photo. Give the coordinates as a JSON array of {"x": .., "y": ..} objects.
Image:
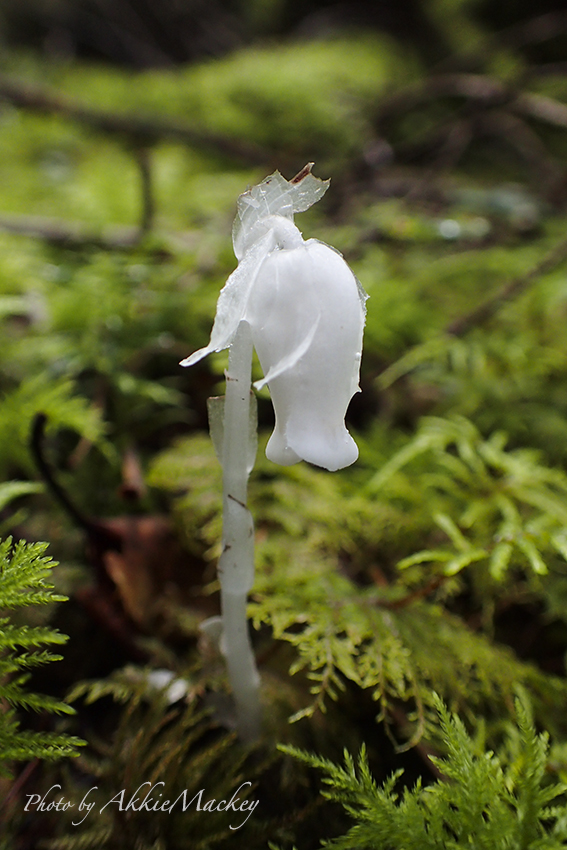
[{"x": 306, "y": 313}]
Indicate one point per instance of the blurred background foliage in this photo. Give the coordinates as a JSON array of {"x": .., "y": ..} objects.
[{"x": 437, "y": 563}]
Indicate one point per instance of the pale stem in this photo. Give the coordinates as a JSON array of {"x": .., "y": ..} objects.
[{"x": 236, "y": 564}]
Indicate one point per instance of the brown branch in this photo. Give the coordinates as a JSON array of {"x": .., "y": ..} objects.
[
  {"x": 139, "y": 129},
  {"x": 542, "y": 108},
  {"x": 483, "y": 312},
  {"x": 483, "y": 90},
  {"x": 457, "y": 138},
  {"x": 16, "y": 787},
  {"x": 478, "y": 87},
  {"x": 104, "y": 537},
  {"x": 69, "y": 234},
  {"x": 515, "y": 132},
  {"x": 534, "y": 30},
  {"x": 143, "y": 158},
  {"x": 414, "y": 595}
]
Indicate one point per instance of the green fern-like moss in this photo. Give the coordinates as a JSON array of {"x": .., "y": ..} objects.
[
  {"x": 24, "y": 581},
  {"x": 170, "y": 744},
  {"x": 312, "y": 584},
  {"x": 484, "y": 799}
]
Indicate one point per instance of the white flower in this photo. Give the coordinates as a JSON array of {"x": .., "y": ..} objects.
[
  {"x": 306, "y": 313},
  {"x": 165, "y": 680}
]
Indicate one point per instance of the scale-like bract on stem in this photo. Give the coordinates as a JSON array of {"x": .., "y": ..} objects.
[{"x": 306, "y": 314}]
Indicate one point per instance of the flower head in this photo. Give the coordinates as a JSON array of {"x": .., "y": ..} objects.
[{"x": 306, "y": 313}]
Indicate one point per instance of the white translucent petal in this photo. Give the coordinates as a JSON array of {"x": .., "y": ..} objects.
[
  {"x": 306, "y": 312},
  {"x": 298, "y": 290},
  {"x": 273, "y": 196},
  {"x": 233, "y": 299},
  {"x": 289, "y": 360},
  {"x": 264, "y": 220},
  {"x": 307, "y": 192}
]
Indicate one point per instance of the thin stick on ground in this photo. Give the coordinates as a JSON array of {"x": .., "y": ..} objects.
[
  {"x": 140, "y": 130},
  {"x": 488, "y": 308}
]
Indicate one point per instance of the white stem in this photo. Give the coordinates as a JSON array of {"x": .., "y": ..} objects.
[{"x": 236, "y": 564}]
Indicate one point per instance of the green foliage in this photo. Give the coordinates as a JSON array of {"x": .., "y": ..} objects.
[
  {"x": 435, "y": 565},
  {"x": 317, "y": 91},
  {"x": 386, "y": 640},
  {"x": 159, "y": 737},
  {"x": 510, "y": 506},
  {"x": 57, "y": 400},
  {"x": 417, "y": 292},
  {"x": 24, "y": 575},
  {"x": 482, "y": 799},
  {"x": 507, "y": 375},
  {"x": 398, "y": 649},
  {"x": 308, "y": 101}
]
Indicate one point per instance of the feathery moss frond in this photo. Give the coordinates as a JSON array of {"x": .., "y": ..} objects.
[
  {"x": 24, "y": 581},
  {"x": 482, "y": 799},
  {"x": 502, "y": 507}
]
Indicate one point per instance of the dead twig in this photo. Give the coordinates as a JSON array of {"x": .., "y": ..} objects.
[
  {"x": 17, "y": 787},
  {"x": 542, "y": 108},
  {"x": 477, "y": 87},
  {"x": 535, "y": 30},
  {"x": 140, "y": 130},
  {"x": 484, "y": 107},
  {"x": 483, "y": 312},
  {"x": 478, "y": 316},
  {"x": 548, "y": 69},
  {"x": 546, "y": 172},
  {"x": 69, "y": 234},
  {"x": 457, "y": 139},
  {"x": 143, "y": 158}
]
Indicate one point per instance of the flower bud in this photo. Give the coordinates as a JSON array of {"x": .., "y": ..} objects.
[
  {"x": 306, "y": 312},
  {"x": 307, "y": 318}
]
